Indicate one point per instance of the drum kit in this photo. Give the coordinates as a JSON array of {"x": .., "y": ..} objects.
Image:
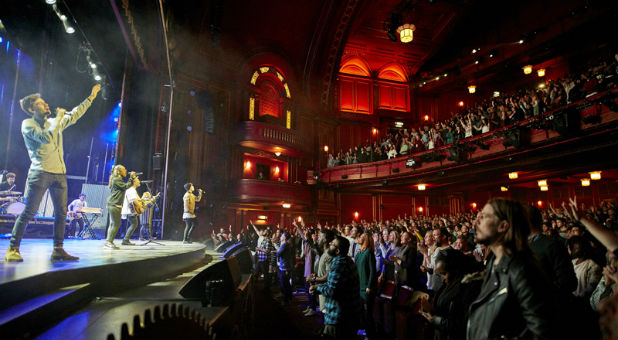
[{"x": 12, "y": 202}]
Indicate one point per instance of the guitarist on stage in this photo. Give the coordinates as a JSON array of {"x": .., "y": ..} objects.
[
  {"x": 131, "y": 207},
  {"x": 75, "y": 214}
]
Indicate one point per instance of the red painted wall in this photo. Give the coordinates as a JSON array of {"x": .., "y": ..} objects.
[
  {"x": 396, "y": 205},
  {"x": 356, "y": 202}
]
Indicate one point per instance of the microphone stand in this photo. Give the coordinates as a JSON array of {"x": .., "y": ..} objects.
[{"x": 150, "y": 238}]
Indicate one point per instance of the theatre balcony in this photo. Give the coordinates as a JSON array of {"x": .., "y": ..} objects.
[
  {"x": 269, "y": 137},
  {"x": 578, "y": 137},
  {"x": 268, "y": 192}
]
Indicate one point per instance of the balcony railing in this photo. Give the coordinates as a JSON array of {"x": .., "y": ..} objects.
[
  {"x": 586, "y": 115},
  {"x": 270, "y": 192},
  {"x": 270, "y": 136}
]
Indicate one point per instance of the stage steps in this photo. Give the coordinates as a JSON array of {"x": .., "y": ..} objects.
[{"x": 22, "y": 319}]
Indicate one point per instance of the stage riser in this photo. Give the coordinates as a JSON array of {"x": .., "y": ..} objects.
[{"x": 105, "y": 279}]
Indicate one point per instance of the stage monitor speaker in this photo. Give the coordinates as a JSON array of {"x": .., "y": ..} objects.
[
  {"x": 229, "y": 251},
  {"x": 223, "y": 246},
  {"x": 243, "y": 257},
  {"x": 215, "y": 285}
]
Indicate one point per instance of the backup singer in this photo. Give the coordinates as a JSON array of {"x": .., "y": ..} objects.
[
  {"x": 75, "y": 214},
  {"x": 43, "y": 139},
  {"x": 114, "y": 202},
  {"x": 131, "y": 198},
  {"x": 188, "y": 216}
]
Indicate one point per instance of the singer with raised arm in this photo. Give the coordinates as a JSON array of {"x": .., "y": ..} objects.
[
  {"x": 43, "y": 139},
  {"x": 188, "y": 216},
  {"x": 118, "y": 187}
]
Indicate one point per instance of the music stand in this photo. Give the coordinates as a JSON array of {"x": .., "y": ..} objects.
[{"x": 149, "y": 223}]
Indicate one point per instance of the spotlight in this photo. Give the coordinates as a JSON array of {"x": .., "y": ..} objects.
[
  {"x": 50, "y": 2},
  {"x": 521, "y": 41},
  {"x": 93, "y": 65},
  {"x": 63, "y": 17},
  {"x": 70, "y": 29},
  {"x": 97, "y": 77}
]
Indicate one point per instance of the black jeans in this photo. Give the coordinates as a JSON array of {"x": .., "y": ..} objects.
[
  {"x": 284, "y": 284},
  {"x": 37, "y": 183},
  {"x": 190, "y": 224},
  {"x": 72, "y": 226}
]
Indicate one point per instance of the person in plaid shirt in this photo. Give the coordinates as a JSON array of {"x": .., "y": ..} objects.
[
  {"x": 263, "y": 251},
  {"x": 341, "y": 290}
]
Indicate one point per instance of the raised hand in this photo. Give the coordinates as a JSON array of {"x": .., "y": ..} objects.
[{"x": 95, "y": 91}]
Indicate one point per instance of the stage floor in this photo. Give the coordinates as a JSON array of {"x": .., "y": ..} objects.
[{"x": 36, "y": 254}]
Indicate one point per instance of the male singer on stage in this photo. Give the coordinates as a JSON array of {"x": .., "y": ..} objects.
[
  {"x": 75, "y": 214},
  {"x": 188, "y": 216},
  {"x": 129, "y": 212},
  {"x": 43, "y": 139},
  {"x": 114, "y": 202}
]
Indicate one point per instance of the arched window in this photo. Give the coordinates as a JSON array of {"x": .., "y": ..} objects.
[
  {"x": 393, "y": 91},
  {"x": 355, "y": 94},
  {"x": 270, "y": 97}
]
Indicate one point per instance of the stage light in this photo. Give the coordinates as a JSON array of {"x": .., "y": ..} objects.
[
  {"x": 585, "y": 182},
  {"x": 513, "y": 175},
  {"x": 63, "y": 17},
  {"x": 472, "y": 89},
  {"x": 491, "y": 55},
  {"x": 541, "y": 72},
  {"x": 70, "y": 29},
  {"x": 476, "y": 62},
  {"x": 287, "y": 205},
  {"x": 421, "y": 187},
  {"x": 521, "y": 41},
  {"x": 277, "y": 153},
  {"x": 446, "y": 74},
  {"x": 595, "y": 175},
  {"x": 97, "y": 77},
  {"x": 527, "y": 69},
  {"x": 50, "y": 2},
  {"x": 474, "y": 51},
  {"x": 542, "y": 182},
  {"x": 1, "y": 40},
  {"x": 93, "y": 65}
]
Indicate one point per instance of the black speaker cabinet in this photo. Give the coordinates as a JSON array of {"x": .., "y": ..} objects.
[
  {"x": 243, "y": 256},
  {"x": 223, "y": 246},
  {"x": 214, "y": 285}
]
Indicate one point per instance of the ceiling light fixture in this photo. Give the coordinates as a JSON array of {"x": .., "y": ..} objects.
[
  {"x": 595, "y": 175},
  {"x": 406, "y": 32},
  {"x": 544, "y": 188},
  {"x": 542, "y": 182},
  {"x": 541, "y": 72},
  {"x": 513, "y": 175},
  {"x": 527, "y": 69},
  {"x": 472, "y": 89},
  {"x": 421, "y": 187},
  {"x": 585, "y": 182}
]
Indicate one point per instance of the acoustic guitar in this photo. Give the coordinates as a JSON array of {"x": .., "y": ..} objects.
[{"x": 139, "y": 205}]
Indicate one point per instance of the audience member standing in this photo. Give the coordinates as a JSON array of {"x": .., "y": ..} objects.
[
  {"x": 342, "y": 310},
  {"x": 512, "y": 302},
  {"x": 366, "y": 264},
  {"x": 285, "y": 255}
]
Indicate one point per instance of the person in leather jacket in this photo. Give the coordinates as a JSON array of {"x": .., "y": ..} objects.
[{"x": 513, "y": 300}]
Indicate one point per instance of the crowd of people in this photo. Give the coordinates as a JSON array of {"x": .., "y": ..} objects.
[
  {"x": 510, "y": 270},
  {"x": 493, "y": 113}
]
